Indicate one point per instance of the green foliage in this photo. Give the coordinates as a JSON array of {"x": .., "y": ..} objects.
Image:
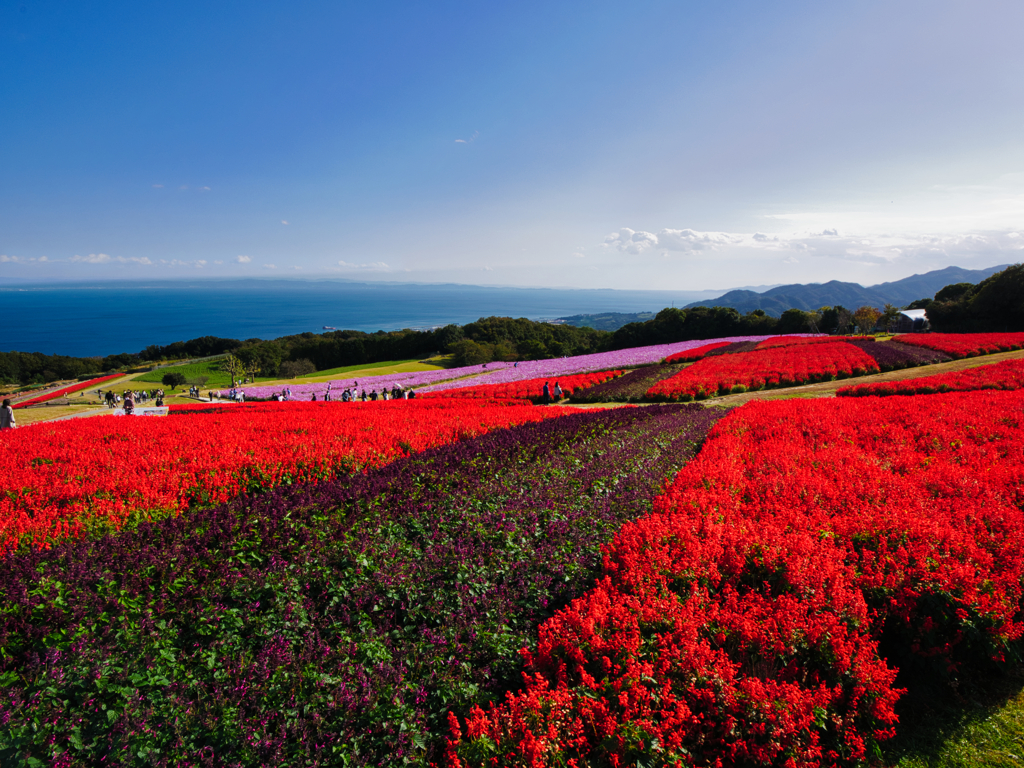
[
  {"x": 292, "y": 369},
  {"x": 675, "y": 324},
  {"x": 995, "y": 304},
  {"x": 173, "y": 379},
  {"x": 211, "y": 370}
]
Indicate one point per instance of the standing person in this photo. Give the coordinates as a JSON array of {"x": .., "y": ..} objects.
[
  {"x": 129, "y": 403},
  {"x": 546, "y": 394},
  {"x": 7, "y": 415},
  {"x": 558, "y": 392}
]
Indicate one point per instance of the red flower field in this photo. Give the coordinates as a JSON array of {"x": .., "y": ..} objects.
[
  {"x": 960, "y": 345},
  {"x": 60, "y": 478},
  {"x": 773, "y": 367},
  {"x": 689, "y": 355},
  {"x": 529, "y": 389},
  {"x": 68, "y": 390},
  {"x": 739, "y": 623},
  {"x": 1008, "y": 374}
]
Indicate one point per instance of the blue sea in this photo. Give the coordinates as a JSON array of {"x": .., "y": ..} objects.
[{"x": 108, "y": 318}]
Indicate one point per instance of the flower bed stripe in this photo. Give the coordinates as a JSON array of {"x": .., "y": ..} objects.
[
  {"x": 530, "y": 389},
  {"x": 765, "y": 368},
  {"x": 689, "y": 355},
  {"x": 334, "y": 624},
  {"x": 1009, "y": 374},
  {"x": 66, "y": 390},
  {"x": 738, "y": 625},
  {"x": 62, "y": 478},
  {"x": 959, "y": 345}
]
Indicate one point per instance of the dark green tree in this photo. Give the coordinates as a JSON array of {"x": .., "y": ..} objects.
[{"x": 174, "y": 379}]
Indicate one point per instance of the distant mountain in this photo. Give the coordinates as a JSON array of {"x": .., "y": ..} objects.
[{"x": 775, "y": 301}]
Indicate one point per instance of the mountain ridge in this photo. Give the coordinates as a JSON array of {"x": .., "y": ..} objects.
[{"x": 811, "y": 296}]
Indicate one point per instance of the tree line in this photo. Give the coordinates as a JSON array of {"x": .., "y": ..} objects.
[{"x": 995, "y": 304}]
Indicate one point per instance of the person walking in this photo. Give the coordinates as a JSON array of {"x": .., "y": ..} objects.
[
  {"x": 546, "y": 394},
  {"x": 7, "y": 415}
]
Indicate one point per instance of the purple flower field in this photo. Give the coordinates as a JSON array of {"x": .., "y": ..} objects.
[
  {"x": 387, "y": 381},
  {"x": 493, "y": 373}
]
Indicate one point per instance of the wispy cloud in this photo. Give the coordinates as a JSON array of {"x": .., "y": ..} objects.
[
  {"x": 103, "y": 258},
  {"x": 470, "y": 140},
  {"x": 284, "y": 222},
  {"x": 158, "y": 186},
  {"x": 270, "y": 266},
  {"x": 243, "y": 259},
  {"x": 374, "y": 266}
]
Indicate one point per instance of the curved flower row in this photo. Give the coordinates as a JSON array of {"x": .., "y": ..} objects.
[
  {"x": 531, "y": 389},
  {"x": 61, "y": 478},
  {"x": 1008, "y": 374},
  {"x": 689, "y": 355},
  {"x": 67, "y": 390},
  {"x": 965, "y": 344},
  {"x": 738, "y": 624},
  {"x": 303, "y": 391},
  {"x": 565, "y": 366},
  {"x": 804, "y": 339},
  {"x": 772, "y": 367}
]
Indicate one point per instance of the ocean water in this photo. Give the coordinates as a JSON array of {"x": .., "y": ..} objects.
[{"x": 108, "y": 318}]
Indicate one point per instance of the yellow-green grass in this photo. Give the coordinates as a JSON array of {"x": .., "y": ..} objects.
[
  {"x": 211, "y": 369},
  {"x": 370, "y": 369},
  {"x": 978, "y": 724}
]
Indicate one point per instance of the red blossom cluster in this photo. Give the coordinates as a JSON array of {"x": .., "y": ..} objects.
[
  {"x": 689, "y": 355},
  {"x": 61, "y": 478},
  {"x": 773, "y": 367},
  {"x": 1009, "y": 374},
  {"x": 789, "y": 341},
  {"x": 739, "y": 623},
  {"x": 958, "y": 345},
  {"x": 530, "y": 389},
  {"x": 67, "y": 390}
]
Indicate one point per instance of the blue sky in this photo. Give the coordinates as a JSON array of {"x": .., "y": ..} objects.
[{"x": 659, "y": 145}]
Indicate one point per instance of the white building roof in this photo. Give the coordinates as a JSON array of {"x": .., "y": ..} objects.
[{"x": 914, "y": 314}]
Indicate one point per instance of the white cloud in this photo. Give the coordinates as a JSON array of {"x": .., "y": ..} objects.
[
  {"x": 218, "y": 262},
  {"x": 183, "y": 186},
  {"x": 205, "y": 189},
  {"x": 284, "y": 222},
  {"x": 375, "y": 266},
  {"x": 631, "y": 241},
  {"x": 685, "y": 240},
  {"x": 579, "y": 255},
  {"x": 243, "y": 259},
  {"x": 470, "y": 140},
  {"x": 200, "y": 262},
  {"x": 102, "y": 258},
  {"x": 270, "y": 266},
  {"x": 922, "y": 252}
]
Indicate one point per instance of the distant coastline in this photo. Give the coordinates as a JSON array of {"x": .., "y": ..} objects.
[{"x": 103, "y": 318}]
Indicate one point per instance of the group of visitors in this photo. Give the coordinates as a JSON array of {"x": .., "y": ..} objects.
[
  {"x": 238, "y": 395},
  {"x": 130, "y": 398},
  {"x": 353, "y": 394}
]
